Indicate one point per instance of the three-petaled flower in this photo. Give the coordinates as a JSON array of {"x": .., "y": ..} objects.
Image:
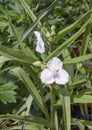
[
  {"x": 39, "y": 44},
  {"x": 54, "y": 73}
]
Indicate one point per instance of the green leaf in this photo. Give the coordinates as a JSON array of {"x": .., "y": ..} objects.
[
  {"x": 3, "y": 25},
  {"x": 85, "y": 91},
  {"x": 84, "y": 122},
  {"x": 82, "y": 99},
  {"x": 30, "y": 86},
  {"x": 16, "y": 55},
  {"x": 7, "y": 93},
  {"x": 78, "y": 59},
  {"x": 3, "y": 60},
  {"x": 30, "y": 29},
  {"x": 34, "y": 78},
  {"x": 79, "y": 124},
  {"x": 37, "y": 21},
  {"x": 65, "y": 98},
  {"x": 86, "y": 39},
  {"x": 27, "y": 119},
  {"x": 14, "y": 31},
  {"x": 86, "y": 36},
  {"x": 28, "y": 10},
  {"x": 23, "y": 46},
  {"x": 81, "y": 81},
  {"x": 26, "y": 105},
  {"x": 68, "y": 42},
  {"x": 32, "y": 126},
  {"x": 72, "y": 26},
  {"x": 66, "y": 55}
]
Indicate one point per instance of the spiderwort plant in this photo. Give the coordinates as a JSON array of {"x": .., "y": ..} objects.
[
  {"x": 54, "y": 73},
  {"x": 57, "y": 94}
]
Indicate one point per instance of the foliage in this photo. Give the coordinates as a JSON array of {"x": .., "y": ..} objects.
[
  {"x": 7, "y": 93},
  {"x": 37, "y": 105}
]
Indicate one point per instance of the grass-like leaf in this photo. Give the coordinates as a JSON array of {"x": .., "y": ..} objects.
[
  {"x": 78, "y": 59},
  {"x": 86, "y": 37},
  {"x": 43, "y": 14},
  {"x": 30, "y": 86},
  {"x": 16, "y": 55},
  {"x": 82, "y": 99},
  {"x": 32, "y": 126},
  {"x": 68, "y": 42},
  {"x": 27, "y": 119},
  {"x": 84, "y": 122},
  {"x": 65, "y": 98},
  {"x": 23, "y": 46},
  {"x": 72, "y": 26}
]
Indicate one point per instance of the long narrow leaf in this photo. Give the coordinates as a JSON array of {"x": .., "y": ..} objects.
[
  {"x": 37, "y": 21},
  {"x": 84, "y": 122},
  {"x": 82, "y": 99},
  {"x": 30, "y": 29},
  {"x": 23, "y": 46},
  {"x": 27, "y": 119},
  {"x": 3, "y": 59},
  {"x": 31, "y": 126},
  {"x": 72, "y": 26},
  {"x": 28, "y": 10},
  {"x": 68, "y": 42},
  {"x": 65, "y": 98},
  {"x": 85, "y": 40},
  {"x": 15, "y": 55},
  {"x": 86, "y": 37},
  {"x": 30, "y": 86},
  {"x": 78, "y": 59}
]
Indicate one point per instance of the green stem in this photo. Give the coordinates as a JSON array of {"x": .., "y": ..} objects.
[
  {"x": 82, "y": 111},
  {"x": 46, "y": 112},
  {"x": 56, "y": 121},
  {"x": 86, "y": 111},
  {"x": 52, "y": 126}
]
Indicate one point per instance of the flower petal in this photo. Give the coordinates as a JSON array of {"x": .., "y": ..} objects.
[
  {"x": 61, "y": 77},
  {"x": 40, "y": 47},
  {"x": 39, "y": 44},
  {"x": 54, "y": 64},
  {"x": 38, "y": 35},
  {"x": 47, "y": 76}
]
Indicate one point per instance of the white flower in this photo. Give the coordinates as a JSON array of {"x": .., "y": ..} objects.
[
  {"x": 39, "y": 44},
  {"x": 54, "y": 73}
]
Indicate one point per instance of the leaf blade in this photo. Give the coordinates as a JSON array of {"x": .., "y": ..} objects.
[{"x": 17, "y": 55}]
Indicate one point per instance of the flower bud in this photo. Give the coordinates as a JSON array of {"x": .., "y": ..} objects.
[
  {"x": 53, "y": 33},
  {"x": 50, "y": 39},
  {"x": 53, "y": 27},
  {"x": 23, "y": 113},
  {"x": 79, "y": 66},
  {"x": 83, "y": 71},
  {"x": 48, "y": 34},
  {"x": 37, "y": 63}
]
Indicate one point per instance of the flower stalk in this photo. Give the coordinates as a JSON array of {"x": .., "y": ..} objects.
[{"x": 52, "y": 124}]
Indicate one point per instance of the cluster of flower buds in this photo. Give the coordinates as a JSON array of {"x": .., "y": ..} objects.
[{"x": 52, "y": 34}]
